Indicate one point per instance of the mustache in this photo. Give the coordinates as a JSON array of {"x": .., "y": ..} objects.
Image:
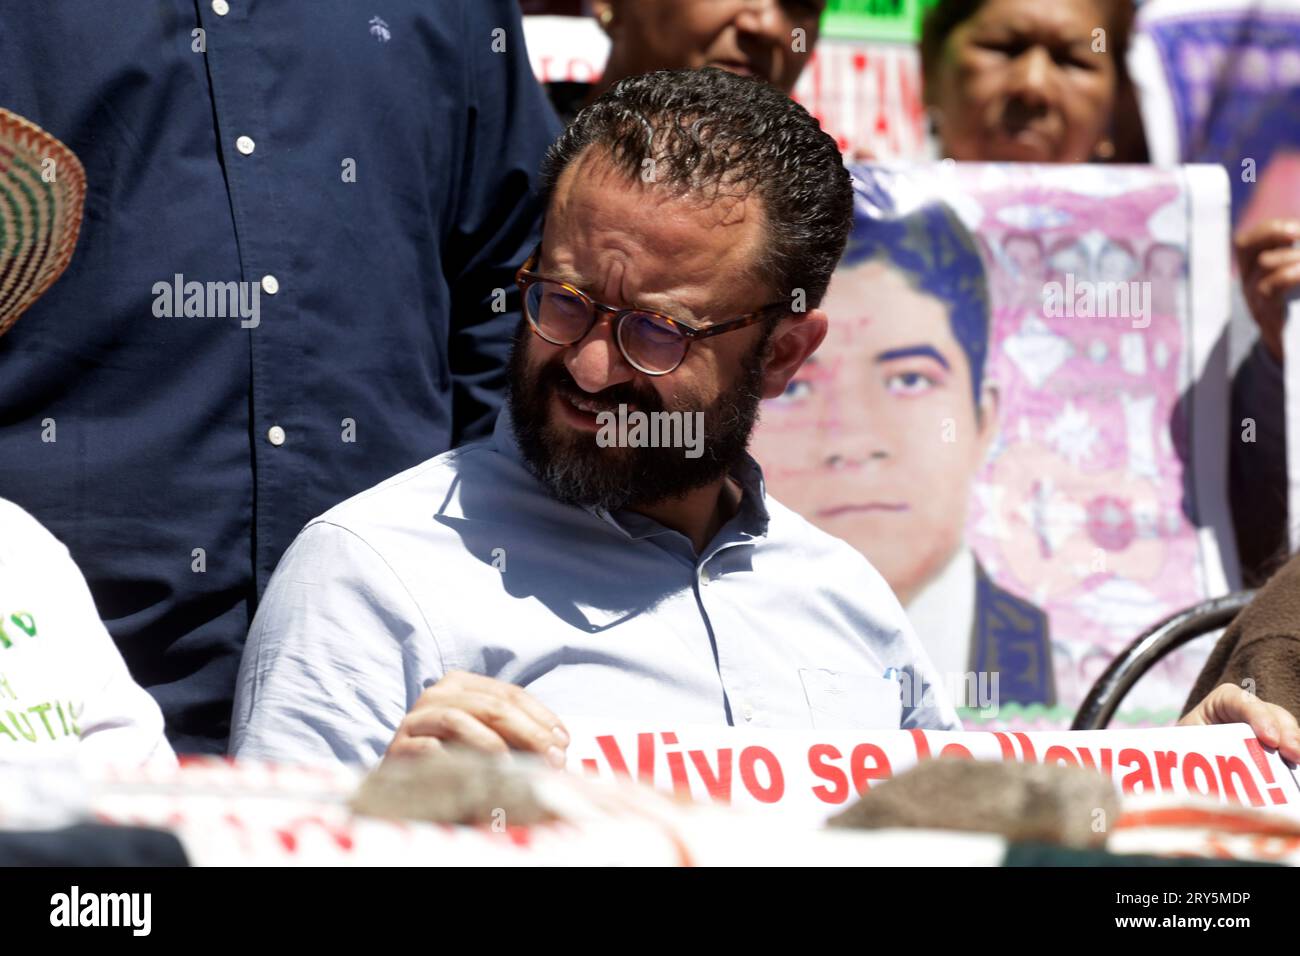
[{"x": 556, "y": 377}]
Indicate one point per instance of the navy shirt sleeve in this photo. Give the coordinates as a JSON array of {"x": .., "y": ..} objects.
[
  {"x": 366, "y": 175},
  {"x": 492, "y": 229}
]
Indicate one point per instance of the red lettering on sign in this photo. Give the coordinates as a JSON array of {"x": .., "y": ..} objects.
[
  {"x": 1141, "y": 773},
  {"x": 613, "y": 756},
  {"x": 1191, "y": 764},
  {"x": 1166, "y": 762},
  {"x": 587, "y": 73},
  {"x": 878, "y": 769},
  {"x": 819, "y": 757},
  {"x": 1004, "y": 744},
  {"x": 677, "y": 774},
  {"x": 776, "y": 786},
  {"x": 1257, "y": 754},
  {"x": 718, "y": 783},
  {"x": 645, "y": 756},
  {"x": 288, "y": 834},
  {"x": 921, "y": 743},
  {"x": 1026, "y": 747},
  {"x": 1061, "y": 755},
  {"x": 1235, "y": 767}
]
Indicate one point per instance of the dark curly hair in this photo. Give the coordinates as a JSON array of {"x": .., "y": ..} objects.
[
  {"x": 711, "y": 133},
  {"x": 935, "y": 253}
]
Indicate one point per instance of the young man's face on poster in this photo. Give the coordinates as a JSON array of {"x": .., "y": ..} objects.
[{"x": 878, "y": 438}]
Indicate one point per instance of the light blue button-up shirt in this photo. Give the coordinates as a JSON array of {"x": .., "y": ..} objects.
[{"x": 466, "y": 562}]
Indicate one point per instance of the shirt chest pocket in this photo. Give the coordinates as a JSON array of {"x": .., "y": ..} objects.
[{"x": 843, "y": 701}]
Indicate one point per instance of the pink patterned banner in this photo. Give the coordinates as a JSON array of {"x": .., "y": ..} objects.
[{"x": 1019, "y": 416}]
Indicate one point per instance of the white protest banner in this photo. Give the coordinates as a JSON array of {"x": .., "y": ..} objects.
[
  {"x": 806, "y": 776},
  {"x": 250, "y": 813}
]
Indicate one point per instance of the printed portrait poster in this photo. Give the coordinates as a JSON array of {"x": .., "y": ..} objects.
[
  {"x": 1019, "y": 415},
  {"x": 1219, "y": 82}
]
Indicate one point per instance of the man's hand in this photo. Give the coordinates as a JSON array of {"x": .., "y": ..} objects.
[
  {"x": 1229, "y": 704},
  {"x": 483, "y": 713},
  {"x": 1268, "y": 259}
]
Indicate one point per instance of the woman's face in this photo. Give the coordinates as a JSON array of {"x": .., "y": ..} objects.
[
  {"x": 750, "y": 37},
  {"x": 1026, "y": 81}
]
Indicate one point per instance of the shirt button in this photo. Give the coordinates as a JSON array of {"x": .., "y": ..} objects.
[
  {"x": 704, "y": 576},
  {"x": 220, "y": 7},
  {"x": 275, "y": 435},
  {"x": 270, "y": 285},
  {"x": 245, "y": 145},
  {"x": 747, "y": 709}
]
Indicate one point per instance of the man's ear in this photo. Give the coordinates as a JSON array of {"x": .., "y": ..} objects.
[{"x": 795, "y": 338}]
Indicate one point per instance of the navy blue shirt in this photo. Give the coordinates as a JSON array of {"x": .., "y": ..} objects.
[{"x": 371, "y": 168}]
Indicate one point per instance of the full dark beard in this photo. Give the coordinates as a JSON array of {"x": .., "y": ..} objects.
[{"x": 577, "y": 471}]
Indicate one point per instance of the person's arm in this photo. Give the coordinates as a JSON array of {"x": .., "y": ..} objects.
[
  {"x": 120, "y": 724},
  {"x": 1268, "y": 259},
  {"x": 341, "y": 665},
  {"x": 337, "y": 650},
  {"x": 495, "y": 221}
]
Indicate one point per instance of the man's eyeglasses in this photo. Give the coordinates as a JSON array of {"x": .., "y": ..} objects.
[{"x": 651, "y": 342}]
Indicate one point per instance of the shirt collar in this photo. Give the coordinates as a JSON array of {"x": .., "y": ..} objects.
[
  {"x": 503, "y": 436},
  {"x": 943, "y": 611},
  {"x": 749, "y": 523}
]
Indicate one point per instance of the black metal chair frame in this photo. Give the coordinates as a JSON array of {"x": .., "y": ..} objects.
[{"x": 1170, "y": 634}]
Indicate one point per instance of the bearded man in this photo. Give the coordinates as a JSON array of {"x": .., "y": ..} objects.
[{"x": 693, "y": 219}]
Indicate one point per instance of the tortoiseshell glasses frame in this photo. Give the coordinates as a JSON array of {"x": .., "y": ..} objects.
[{"x": 651, "y": 342}]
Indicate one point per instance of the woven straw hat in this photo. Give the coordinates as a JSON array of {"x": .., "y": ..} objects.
[{"x": 42, "y": 192}]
